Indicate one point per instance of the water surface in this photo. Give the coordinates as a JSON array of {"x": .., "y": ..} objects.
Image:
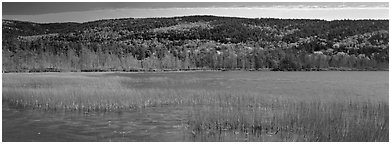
[{"x": 169, "y": 123}]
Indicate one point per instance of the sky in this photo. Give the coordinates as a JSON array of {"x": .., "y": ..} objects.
[{"x": 49, "y": 12}]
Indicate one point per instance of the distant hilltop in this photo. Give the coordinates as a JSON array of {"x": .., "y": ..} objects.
[{"x": 206, "y": 41}]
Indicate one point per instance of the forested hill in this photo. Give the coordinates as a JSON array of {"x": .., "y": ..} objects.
[{"x": 193, "y": 42}]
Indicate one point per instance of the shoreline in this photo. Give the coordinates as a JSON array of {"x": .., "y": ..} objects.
[{"x": 188, "y": 70}]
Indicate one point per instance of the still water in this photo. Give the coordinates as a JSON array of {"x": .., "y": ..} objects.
[{"x": 151, "y": 124}]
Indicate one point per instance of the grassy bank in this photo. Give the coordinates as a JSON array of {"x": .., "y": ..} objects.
[{"x": 241, "y": 112}]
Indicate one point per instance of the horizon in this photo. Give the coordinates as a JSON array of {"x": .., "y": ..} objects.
[
  {"x": 193, "y": 15},
  {"x": 80, "y": 12}
]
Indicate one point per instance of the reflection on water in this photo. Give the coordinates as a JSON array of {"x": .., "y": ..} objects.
[{"x": 151, "y": 124}]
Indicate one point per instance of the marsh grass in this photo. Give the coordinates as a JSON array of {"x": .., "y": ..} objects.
[
  {"x": 215, "y": 114},
  {"x": 293, "y": 121}
]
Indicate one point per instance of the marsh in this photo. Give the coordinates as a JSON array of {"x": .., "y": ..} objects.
[{"x": 196, "y": 106}]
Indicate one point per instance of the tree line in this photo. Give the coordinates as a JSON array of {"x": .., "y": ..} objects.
[{"x": 152, "y": 55}]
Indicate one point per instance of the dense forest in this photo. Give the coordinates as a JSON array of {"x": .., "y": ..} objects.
[{"x": 195, "y": 42}]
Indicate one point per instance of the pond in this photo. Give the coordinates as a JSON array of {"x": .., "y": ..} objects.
[{"x": 169, "y": 122}]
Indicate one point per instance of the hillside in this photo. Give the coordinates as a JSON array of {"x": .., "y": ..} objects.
[{"x": 190, "y": 42}]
